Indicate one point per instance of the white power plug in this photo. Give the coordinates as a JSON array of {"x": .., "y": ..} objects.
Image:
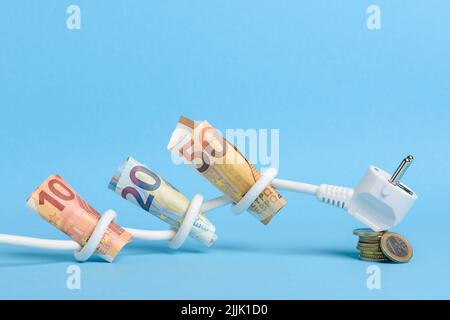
[{"x": 379, "y": 201}]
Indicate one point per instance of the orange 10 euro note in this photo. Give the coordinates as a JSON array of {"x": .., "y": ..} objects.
[{"x": 60, "y": 205}]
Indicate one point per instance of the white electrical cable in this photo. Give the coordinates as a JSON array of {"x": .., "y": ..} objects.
[
  {"x": 66, "y": 245},
  {"x": 280, "y": 184},
  {"x": 151, "y": 235},
  {"x": 175, "y": 238},
  {"x": 216, "y": 203},
  {"x": 295, "y": 186}
]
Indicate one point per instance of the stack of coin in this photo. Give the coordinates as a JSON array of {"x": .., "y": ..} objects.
[
  {"x": 382, "y": 246},
  {"x": 369, "y": 245}
]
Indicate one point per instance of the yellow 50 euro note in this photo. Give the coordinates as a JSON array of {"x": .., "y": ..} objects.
[
  {"x": 143, "y": 187},
  {"x": 223, "y": 165},
  {"x": 60, "y": 205}
]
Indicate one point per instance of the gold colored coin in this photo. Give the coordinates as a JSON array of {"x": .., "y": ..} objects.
[
  {"x": 369, "y": 245},
  {"x": 373, "y": 259},
  {"x": 396, "y": 247},
  {"x": 366, "y": 232},
  {"x": 374, "y": 250},
  {"x": 369, "y": 239},
  {"x": 378, "y": 249},
  {"x": 371, "y": 252},
  {"x": 374, "y": 255}
]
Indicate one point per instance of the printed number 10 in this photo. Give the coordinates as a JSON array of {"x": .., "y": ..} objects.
[{"x": 66, "y": 196}]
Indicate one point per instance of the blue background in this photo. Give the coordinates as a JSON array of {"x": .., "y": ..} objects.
[{"x": 78, "y": 102}]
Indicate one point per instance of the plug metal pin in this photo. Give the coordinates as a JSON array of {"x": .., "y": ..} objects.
[{"x": 398, "y": 174}]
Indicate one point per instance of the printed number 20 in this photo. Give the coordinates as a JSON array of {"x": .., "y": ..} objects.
[{"x": 143, "y": 185}]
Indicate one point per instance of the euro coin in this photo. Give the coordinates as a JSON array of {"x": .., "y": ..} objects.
[
  {"x": 366, "y": 232},
  {"x": 369, "y": 245},
  {"x": 374, "y": 259},
  {"x": 372, "y": 252},
  {"x": 396, "y": 247},
  {"x": 370, "y": 239},
  {"x": 366, "y": 253}
]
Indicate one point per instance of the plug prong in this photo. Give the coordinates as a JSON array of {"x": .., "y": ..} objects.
[{"x": 398, "y": 174}]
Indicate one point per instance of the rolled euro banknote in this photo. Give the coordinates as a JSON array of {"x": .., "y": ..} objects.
[
  {"x": 141, "y": 186},
  {"x": 223, "y": 165},
  {"x": 60, "y": 205}
]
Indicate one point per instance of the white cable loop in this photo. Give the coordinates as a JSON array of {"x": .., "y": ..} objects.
[
  {"x": 254, "y": 192},
  {"x": 188, "y": 222},
  {"x": 175, "y": 238},
  {"x": 97, "y": 235}
]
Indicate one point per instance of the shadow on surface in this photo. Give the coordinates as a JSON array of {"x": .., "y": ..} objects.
[
  {"x": 286, "y": 250},
  {"x": 22, "y": 258},
  {"x": 138, "y": 247},
  {"x": 16, "y": 257}
]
